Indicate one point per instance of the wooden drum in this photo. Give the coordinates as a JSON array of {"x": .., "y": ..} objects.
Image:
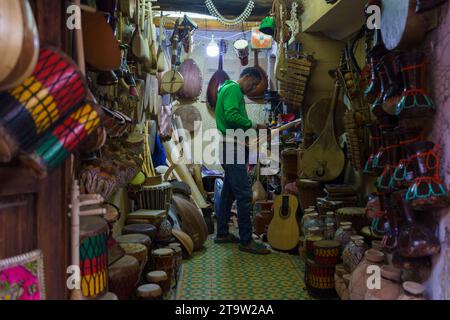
[
  {"x": 149, "y": 292},
  {"x": 137, "y": 250},
  {"x": 94, "y": 256},
  {"x": 156, "y": 197},
  {"x": 136, "y": 238},
  {"x": 178, "y": 260},
  {"x": 124, "y": 277},
  {"x": 141, "y": 228},
  {"x": 319, "y": 280},
  {"x": 154, "y": 217},
  {"x": 327, "y": 252},
  {"x": 157, "y": 277},
  {"x": 163, "y": 259}
]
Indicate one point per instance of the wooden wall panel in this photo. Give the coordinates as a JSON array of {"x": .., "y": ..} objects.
[
  {"x": 33, "y": 213},
  {"x": 18, "y": 225}
]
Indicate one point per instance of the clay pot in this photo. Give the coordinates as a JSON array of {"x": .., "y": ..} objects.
[
  {"x": 358, "y": 280},
  {"x": 343, "y": 234},
  {"x": 390, "y": 288},
  {"x": 412, "y": 291}
]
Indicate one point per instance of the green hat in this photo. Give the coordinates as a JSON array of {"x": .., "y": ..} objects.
[{"x": 268, "y": 25}]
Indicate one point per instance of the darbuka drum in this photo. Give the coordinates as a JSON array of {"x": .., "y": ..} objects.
[
  {"x": 136, "y": 238},
  {"x": 154, "y": 217},
  {"x": 141, "y": 228},
  {"x": 31, "y": 109},
  {"x": 137, "y": 250},
  {"x": 327, "y": 252},
  {"x": 93, "y": 256},
  {"x": 157, "y": 277},
  {"x": 163, "y": 259},
  {"x": 242, "y": 50},
  {"x": 149, "y": 292},
  {"x": 124, "y": 276},
  {"x": 156, "y": 197},
  {"x": 319, "y": 280},
  {"x": 178, "y": 257}
]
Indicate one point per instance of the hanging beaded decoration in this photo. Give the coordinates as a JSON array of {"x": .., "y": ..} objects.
[{"x": 230, "y": 22}]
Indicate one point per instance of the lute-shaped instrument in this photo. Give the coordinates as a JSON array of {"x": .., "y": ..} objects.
[{"x": 324, "y": 160}]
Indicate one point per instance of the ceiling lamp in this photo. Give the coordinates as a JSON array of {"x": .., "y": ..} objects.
[
  {"x": 230, "y": 22},
  {"x": 212, "y": 50}
]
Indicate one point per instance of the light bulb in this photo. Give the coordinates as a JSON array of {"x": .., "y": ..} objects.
[{"x": 212, "y": 50}]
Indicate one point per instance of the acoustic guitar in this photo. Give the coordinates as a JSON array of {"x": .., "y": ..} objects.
[{"x": 283, "y": 232}]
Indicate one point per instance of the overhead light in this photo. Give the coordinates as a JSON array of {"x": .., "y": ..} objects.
[{"x": 212, "y": 50}]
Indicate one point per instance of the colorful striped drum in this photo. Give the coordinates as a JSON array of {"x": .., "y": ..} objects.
[
  {"x": 93, "y": 256},
  {"x": 327, "y": 252},
  {"x": 57, "y": 145},
  {"x": 31, "y": 109},
  {"x": 319, "y": 280}
]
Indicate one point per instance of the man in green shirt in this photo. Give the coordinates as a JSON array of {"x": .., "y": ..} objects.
[{"x": 230, "y": 114}]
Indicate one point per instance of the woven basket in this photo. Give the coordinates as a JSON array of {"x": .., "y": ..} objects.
[{"x": 308, "y": 192}]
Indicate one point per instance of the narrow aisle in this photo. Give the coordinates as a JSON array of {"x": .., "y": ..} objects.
[{"x": 222, "y": 272}]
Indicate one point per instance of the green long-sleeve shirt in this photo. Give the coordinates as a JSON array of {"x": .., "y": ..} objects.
[{"x": 230, "y": 109}]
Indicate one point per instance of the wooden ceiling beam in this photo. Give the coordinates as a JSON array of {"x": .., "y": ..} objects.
[{"x": 210, "y": 25}]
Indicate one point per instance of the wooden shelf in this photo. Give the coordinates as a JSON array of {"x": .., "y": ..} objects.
[{"x": 336, "y": 21}]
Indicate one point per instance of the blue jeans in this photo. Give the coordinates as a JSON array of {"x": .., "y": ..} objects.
[{"x": 235, "y": 187}]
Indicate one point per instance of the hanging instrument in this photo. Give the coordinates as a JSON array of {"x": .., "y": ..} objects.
[
  {"x": 218, "y": 78},
  {"x": 324, "y": 159}
]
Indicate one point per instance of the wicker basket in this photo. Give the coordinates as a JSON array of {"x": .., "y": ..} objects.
[{"x": 308, "y": 192}]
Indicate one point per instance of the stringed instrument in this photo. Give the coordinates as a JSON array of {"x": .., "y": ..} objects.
[
  {"x": 162, "y": 64},
  {"x": 257, "y": 95},
  {"x": 324, "y": 160},
  {"x": 218, "y": 78},
  {"x": 139, "y": 45},
  {"x": 283, "y": 232},
  {"x": 258, "y": 191},
  {"x": 172, "y": 81},
  {"x": 281, "y": 67}
]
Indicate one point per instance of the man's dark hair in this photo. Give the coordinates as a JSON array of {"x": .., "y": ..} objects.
[{"x": 253, "y": 72}]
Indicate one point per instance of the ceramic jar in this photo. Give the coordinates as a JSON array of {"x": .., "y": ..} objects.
[
  {"x": 358, "y": 280},
  {"x": 353, "y": 253},
  {"x": 311, "y": 220},
  {"x": 330, "y": 217},
  {"x": 343, "y": 233},
  {"x": 329, "y": 231},
  {"x": 390, "y": 286},
  {"x": 412, "y": 291}
]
